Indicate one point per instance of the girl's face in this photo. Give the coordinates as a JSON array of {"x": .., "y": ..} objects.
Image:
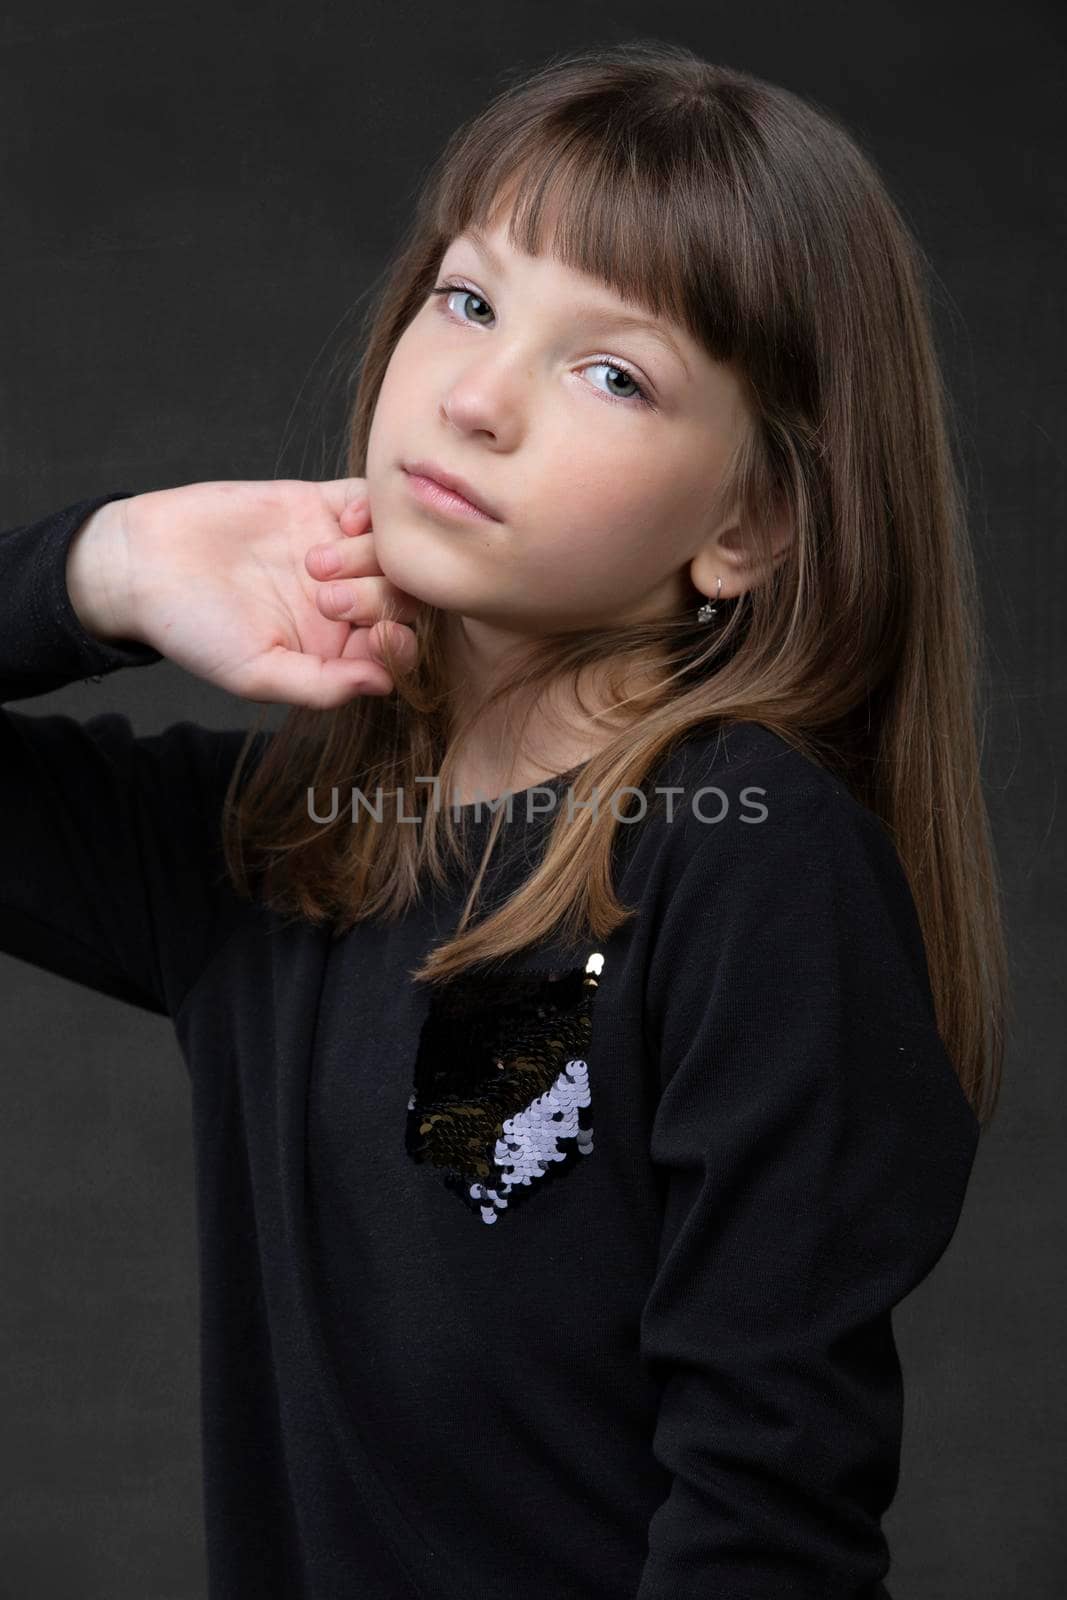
[{"x": 598, "y": 440}]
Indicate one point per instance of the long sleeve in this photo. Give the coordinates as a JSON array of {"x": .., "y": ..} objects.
[
  {"x": 815, "y": 1146},
  {"x": 110, "y": 872}
]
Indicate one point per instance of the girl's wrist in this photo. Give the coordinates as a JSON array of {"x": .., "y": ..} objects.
[{"x": 97, "y": 572}]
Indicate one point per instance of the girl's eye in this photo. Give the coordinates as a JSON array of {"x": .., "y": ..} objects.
[{"x": 639, "y": 395}]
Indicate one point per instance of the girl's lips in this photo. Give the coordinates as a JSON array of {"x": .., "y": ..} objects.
[{"x": 432, "y": 493}]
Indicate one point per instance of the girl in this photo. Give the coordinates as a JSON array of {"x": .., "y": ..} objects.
[{"x": 559, "y": 1167}]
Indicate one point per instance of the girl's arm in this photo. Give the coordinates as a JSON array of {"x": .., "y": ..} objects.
[
  {"x": 111, "y": 862},
  {"x": 108, "y": 852},
  {"x": 816, "y": 1146}
]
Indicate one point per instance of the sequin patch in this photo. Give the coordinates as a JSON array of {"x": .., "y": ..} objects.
[{"x": 501, "y": 1102}]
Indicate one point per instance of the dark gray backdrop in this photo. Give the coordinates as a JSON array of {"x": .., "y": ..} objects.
[{"x": 193, "y": 205}]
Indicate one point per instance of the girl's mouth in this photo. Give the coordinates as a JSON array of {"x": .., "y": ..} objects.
[{"x": 433, "y": 494}]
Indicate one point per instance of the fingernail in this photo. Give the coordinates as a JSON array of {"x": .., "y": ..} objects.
[
  {"x": 342, "y": 595},
  {"x": 329, "y": 561}
]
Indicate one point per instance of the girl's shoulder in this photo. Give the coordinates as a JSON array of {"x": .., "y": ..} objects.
[
  {"x": 780, "y": 873},
  {"x": 737, "y": 811},
  {"x": 751, "y": 774},
  {"x": 751, "y": 754}
]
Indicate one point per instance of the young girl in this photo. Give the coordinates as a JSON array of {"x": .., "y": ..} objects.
[{"x": 559, "y": 1168}]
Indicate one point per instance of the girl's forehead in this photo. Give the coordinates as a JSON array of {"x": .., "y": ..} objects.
[
  {"x": 492, "y": 243},
  {"x": 639, "y": 277},
  {"x": 595, "y": 294},
  {"x": 570, "y": 236}
]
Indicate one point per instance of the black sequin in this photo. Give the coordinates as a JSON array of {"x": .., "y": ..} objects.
[{"x": 501, "y": 1102}]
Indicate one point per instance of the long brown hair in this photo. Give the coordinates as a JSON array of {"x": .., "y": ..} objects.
[{"x": 753, "y": 220}]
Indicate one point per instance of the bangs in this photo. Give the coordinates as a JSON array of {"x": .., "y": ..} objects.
[{"x": 650, "y": 217}]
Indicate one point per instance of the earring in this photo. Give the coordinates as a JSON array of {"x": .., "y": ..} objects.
[{"x": 708, "y": 611}]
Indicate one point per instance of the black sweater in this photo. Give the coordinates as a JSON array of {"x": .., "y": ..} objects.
[{"x": 574, "y": 1280}]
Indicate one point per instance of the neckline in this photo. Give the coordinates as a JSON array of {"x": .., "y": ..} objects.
[{"x": 480, "y": 813}]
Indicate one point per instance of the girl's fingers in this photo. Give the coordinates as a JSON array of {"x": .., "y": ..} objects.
[
  {"x": 356, "y": 515},
  {"x": 292, "y": 677},
  {"x": 364, "y": 602},
  {"x": 345, "y": 497},
  {"x": 365, "y": 644},
  {"x": 402, "y": 639},
  {"x": 348, "y": 558}
]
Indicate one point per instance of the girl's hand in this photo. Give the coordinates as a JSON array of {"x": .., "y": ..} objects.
[{"x": 231, "y": 581}]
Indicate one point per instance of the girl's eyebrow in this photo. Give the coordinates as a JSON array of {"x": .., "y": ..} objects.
[{"x": 606, "y": 316}]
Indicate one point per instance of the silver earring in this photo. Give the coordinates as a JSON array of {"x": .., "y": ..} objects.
[{"x": 708, "y": 611}]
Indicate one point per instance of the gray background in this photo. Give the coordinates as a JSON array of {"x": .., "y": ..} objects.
[{"x": 194, "y": 205}]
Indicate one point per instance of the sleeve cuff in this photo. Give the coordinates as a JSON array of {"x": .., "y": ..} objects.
[{"x": 46, "y": 645}]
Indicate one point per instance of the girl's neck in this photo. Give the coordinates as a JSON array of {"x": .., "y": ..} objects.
[{"x": 504, "y": 753}]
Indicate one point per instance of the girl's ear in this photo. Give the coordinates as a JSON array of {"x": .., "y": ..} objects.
[{"x": 739, "y": 560}]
